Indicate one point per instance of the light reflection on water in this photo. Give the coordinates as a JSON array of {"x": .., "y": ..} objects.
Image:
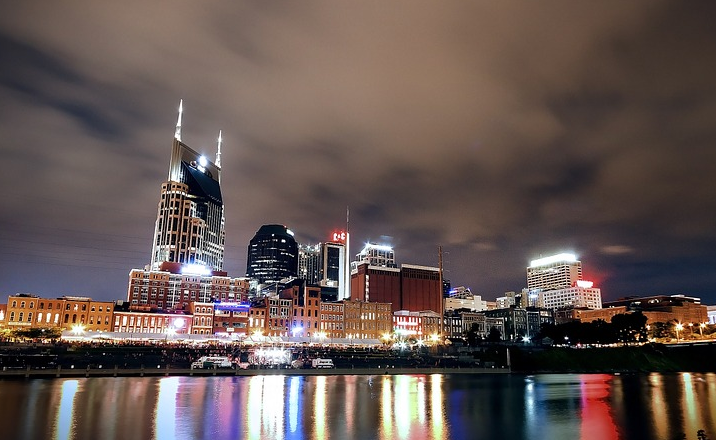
[{"x": 426, "y": 407}]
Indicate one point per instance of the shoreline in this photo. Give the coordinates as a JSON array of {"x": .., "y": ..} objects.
[{"x": 196, "y": 372}]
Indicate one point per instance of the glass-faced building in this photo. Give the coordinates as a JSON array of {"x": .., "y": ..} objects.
[
  {"x": 272, "y": 255},
  {"x": 190, "y": 215}
]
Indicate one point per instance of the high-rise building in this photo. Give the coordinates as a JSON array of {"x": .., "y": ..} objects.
[
  {"x": 272, "y": 255},
  {"x": 555, "y": 272},
  {"x": 581, "y": 295},
  {"x": 377, "y": 255},
  {"x": 309, "y": 263},
  {"x": 333, "y": 267},
  {"x": 188, "y": 247},
  {"x": 190, "y": 215}
]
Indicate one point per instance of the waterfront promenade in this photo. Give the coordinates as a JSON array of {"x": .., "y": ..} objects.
[{"x": 30, "y": 373}]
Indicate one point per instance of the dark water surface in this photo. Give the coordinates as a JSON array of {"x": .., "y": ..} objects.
[{"x": 557, "y": 406}]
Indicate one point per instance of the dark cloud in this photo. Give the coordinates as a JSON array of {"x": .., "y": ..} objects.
[{"x": 500, "y": 131}]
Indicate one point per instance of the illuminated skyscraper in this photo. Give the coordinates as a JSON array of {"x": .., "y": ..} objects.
[
  {"x": 309, "y": 263},
  {"x": 555, "y": 272},
  {"x": 190, "y": 214},
  {"x": 272, "y": 254}
]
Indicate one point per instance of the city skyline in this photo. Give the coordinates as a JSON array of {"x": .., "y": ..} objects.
[{"x": 501, "y": 132}]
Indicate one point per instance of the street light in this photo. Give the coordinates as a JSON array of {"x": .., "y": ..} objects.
[
  {"x": 78, "y": 329},
  {"x": 679, "y": 327},
  {"x": 702, "y": 326}
]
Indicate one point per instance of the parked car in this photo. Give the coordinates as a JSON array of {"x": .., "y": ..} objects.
[
  {"x": 212, "y": 362},
  {"x": 322, "y": 363}
]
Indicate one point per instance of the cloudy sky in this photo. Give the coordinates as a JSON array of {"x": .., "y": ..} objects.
[{"x": 500, "y": 130}]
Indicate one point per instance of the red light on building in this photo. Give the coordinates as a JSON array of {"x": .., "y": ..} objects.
[{"x": 339, "y": 237}]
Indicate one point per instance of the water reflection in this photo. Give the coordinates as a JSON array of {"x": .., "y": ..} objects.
[
  {"x": 354, "y": 407},
  {"x": 65, "y": 411}
]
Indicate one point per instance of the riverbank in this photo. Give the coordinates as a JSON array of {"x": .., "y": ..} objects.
[
  {"x": 649, "y": 358},
  {"x": 59, "y": 372}
]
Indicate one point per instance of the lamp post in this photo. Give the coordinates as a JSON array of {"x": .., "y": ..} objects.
[
  {"x": 679, "y": 327},
  {"x": 691, "y": 326},
  {"x": 702, "y": 326}
]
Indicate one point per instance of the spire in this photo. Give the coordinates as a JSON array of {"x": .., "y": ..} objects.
[
  {"x": 218, "y": 152},
  {"x": 177, "y": 133}
]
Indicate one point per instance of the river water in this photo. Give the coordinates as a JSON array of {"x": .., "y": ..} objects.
[{"x": 458, "y": 406}]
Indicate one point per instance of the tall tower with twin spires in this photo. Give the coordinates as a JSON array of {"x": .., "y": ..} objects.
[{"x": 190, "y": 215}]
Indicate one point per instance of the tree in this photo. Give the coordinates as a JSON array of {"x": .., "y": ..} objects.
[
  {"x": 37, "y": 333},
  {"x": 472, "y": 335},
  {"x": 663, "y": 330},
  {"x": 494, "y": 335},
  {"x": 630, "y": 327}
]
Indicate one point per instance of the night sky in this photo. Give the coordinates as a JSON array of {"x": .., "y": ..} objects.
[{"x": 500, "y": 130}]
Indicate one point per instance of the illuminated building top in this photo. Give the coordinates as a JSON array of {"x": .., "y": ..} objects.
[{"x": 555, "y": 272}]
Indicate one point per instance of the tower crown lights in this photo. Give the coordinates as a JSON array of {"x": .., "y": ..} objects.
[{"x": 563, "y": 257}]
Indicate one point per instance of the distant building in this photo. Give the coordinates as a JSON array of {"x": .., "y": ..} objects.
[
  {"x": 659, "y": 308},
  {"x": 377, "y": 255},
  {"x": 711, "y": 313},
  {"x": 418, "y": 325},
  {"x": 521, "y": 322},
  {"x": 504, "y": 302},
  {"x": 554, "y": 272},
  {"x": 463, "y": 298},
  {"x": 309, "y": 263},
  {"x": 272, "y": 254},
  {"x": 582, "y": 295},
  {"x": 334, "y": 265},
  {"x": 410, "y": 287}
]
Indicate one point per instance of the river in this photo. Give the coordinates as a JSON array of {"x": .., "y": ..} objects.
[{"x": 453, "y": 406}]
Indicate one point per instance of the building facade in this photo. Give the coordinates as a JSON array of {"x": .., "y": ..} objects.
[
  {"x": 410, "y": 287},
  {"x": 658, "y": 308},
  {"x": 377, "y": 255},
  {"x": 174, "y": 286},
  {"x": 554, "y": 272},
  {"x": 309, "y": 263},
  {"x": 190, "y": 214},
  {"x": 67, "y": 313},
  {"x": 367, "y": 320},
  {"x": 582, "y": 295},
  {"x": 272, "y": 255}
]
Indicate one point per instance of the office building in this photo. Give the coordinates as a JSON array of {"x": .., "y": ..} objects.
[
  {"x": 272, "y": 255},
  {"x": 555, "y": 272},
  {"x": 190, "y": 215},
  {"x": 463, "y": 298},
  {"x": 376, "y": 255},
  {"x": 581, "y": 295},
  {"x": 410, "y": 287},
  {"x": 309, "y": 263}
]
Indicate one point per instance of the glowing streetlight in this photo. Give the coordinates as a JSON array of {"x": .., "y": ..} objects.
[
  {"x": 78, "y": 329},
  {"x": 702, "y": 326},
  {"x": 679, "y": 327}
]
